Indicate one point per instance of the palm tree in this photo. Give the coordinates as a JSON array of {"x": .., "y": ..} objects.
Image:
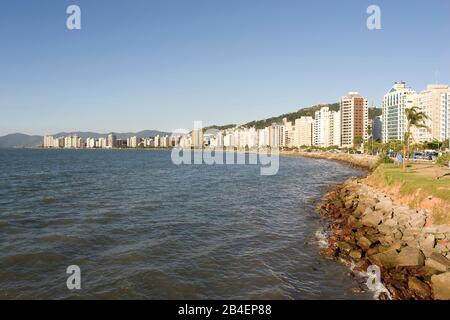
[{"x": 414, "y": 118}]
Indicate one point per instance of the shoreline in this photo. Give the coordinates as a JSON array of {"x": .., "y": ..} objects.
[
  {"x": 361, "y": 161},
  {"x": 366, "y": 226}
]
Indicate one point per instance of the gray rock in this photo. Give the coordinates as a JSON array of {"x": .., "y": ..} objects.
[
  {"x": 387, "y": 240},
  {"x": 383, "y": 228},
  {"x": 386, "y": 259},
  {"x": 411, "y": 232},
  {"x": 440, "y": 236},
  {"x": 372, "y": 218},
  {"x": 390, "y": 223},
  {"x": 417, "y": 221},
  {"x": 426, "y": 244},
  {"x": 439, "y": 248},
  {"x": 437, "y": 229},
  {"x": 438, "y": 262},
  {"x": 410, "y": 257},
  {"x": 441, "y": 286},
  {"x": 384, "y": 205}
]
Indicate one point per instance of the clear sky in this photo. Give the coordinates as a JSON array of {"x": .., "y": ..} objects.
[{"x": 151, "y": 64}]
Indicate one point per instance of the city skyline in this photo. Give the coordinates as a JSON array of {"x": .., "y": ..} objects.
[
  {"x": 347, "y": 127},
  {"x": 132, "y": 67}
]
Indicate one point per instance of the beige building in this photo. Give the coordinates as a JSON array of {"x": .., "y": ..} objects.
[
  {"x": 435, "y": 104},
  {"x": 303, "y": 133},
  {"x": 48, "y": 142},
  {"x": 288, "y": 133},
  {"x": 354, "y": 118},
  {"x": 197, "y": 138}
]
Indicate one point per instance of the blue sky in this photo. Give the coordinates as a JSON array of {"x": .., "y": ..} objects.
[{"x": 138, "y": 65}]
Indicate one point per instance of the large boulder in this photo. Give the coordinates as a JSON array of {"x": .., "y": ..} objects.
[
  {"x": 420, "y": 288},
  {"x": 427, "y": 244},
  {"x": 441, "y": 286},
  {"x": 410, "y": 257},
  {"x": 386, "y": 259},
  {"x": 372, "y": 218},
  {"x": 385, "y": 205},
  {"x": 417, "y": 220},
  {"x": 438, "y": 262},
  {"x": 364, "y": 243},
  {"x": 356, "y": 254}
]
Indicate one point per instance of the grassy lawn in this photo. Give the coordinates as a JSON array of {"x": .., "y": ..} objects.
[{"x": 417, "y": 184}]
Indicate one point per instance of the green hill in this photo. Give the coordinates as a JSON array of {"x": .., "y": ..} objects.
[{"x": 291, "y": 116}]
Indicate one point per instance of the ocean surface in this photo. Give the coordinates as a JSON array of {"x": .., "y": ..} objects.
[{"x": 140, "y": 227}]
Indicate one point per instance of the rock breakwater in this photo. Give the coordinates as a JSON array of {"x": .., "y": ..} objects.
[{"x": 366, "y": 228}]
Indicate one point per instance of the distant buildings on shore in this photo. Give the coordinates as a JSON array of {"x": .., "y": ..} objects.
[
  {"x": 433, "y": 101},
  {"x": 348, "y": 127},
  {"x": 108, "y": 142}
]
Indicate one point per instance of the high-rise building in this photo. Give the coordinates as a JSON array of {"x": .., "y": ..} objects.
[
  {"x": 434, "y": 103},
  {"x": 354, "y": 114},
  {"x": 395, "y": 102},
  {"x": 112, "y": 140},
  {"x": 321, "y": 129},
  {"x": 197, "y": 138},
  {"x": 445, "y": 116},
  {"x": 288, "y": 133},
  {"x": 133, "y": 142},
  {"x": 335, "y": 129},
  {"x": 48, "y": 141},
  {"x": 303, "y": 131},
  {"x": 276, "y": 134},
  {"x": 263, "y": 137}
]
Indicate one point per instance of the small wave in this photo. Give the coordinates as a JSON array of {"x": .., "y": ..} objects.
[
  {"x": 378, "y": 286},
  {"x": 32, "y": 258},
  {"x": 322, "y": 239},
  {"x": 48, "y": 200}
]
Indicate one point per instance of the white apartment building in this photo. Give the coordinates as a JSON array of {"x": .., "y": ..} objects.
[
  {"x": 354, "y": 117},
  {"x": 90, "y": 143},
  {"x": 48, "y": 141},
  {"x": 133, "y": 142},
  {"x": 112, "y": 140},
  {"x": 321, "y": 127},
  {"x": 263, "y": 137},
  {"x": 276, "y": 134},
  {"x": 228, "y": 140},
  {"x": 303, "y": 133},
  {"x": 335, "y": 129},
  {"x": 395, "y": 102}
]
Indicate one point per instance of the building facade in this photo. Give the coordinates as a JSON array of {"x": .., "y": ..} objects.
[
  {"x": 395, "y": 102},
  {"x": 303, "y": 134},
  {"x": 354, "y": 114}
]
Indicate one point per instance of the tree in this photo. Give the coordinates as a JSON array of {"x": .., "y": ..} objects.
[
  {"x": 357, "y": 141},
  {"x": 414, "y": 118}
]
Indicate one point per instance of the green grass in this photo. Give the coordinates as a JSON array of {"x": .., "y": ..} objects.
[
  {"x": 420, "y": 185},
  {"x": 411, "y": 180}
]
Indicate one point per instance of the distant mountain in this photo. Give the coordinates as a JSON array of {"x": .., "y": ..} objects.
[
  {"x": 20, "y": 140},
  {"x": 123, "y": 135}
]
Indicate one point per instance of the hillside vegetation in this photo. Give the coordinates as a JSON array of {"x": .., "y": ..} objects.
[{"x": 291, "y": 116}]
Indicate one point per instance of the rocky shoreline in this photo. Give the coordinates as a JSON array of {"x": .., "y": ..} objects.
[{"x": 366, "y": 228}]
